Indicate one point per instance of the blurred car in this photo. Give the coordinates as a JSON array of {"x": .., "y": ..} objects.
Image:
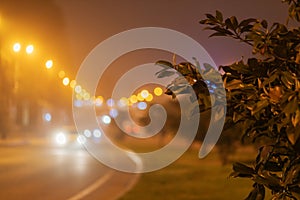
[{"x": 67, "y": 135}]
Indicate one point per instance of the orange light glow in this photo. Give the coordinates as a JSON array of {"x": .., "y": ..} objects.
[
  {"x": 158, "y": 91},
  {"x": 99, "y": 101},
  {"x": 17, "y": 47},
  {"x": 49, "y": 64},
  {"x": 66, "y": 81},
  {"x": 149, "y": 98},
  {"x": 133, "y": 99},
  {"x": 29, "y": 49},
  {"x": 61, "y": 74},
  {"x": 139, "y": 97},
  {"x": 73, "y": 84}
]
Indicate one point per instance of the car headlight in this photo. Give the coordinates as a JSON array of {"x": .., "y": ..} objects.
[
  {"x": 61, "y": 138},
  {"x": 81, "y": 139}
]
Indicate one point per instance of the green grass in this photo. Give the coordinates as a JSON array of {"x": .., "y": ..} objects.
[{"x": 192, "y": 178}]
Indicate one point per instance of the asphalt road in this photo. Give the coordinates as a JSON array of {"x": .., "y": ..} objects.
[{"x": 35, "y": 171}]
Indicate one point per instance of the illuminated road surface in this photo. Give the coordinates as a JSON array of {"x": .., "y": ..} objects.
[{"x": 35, "y": 171}]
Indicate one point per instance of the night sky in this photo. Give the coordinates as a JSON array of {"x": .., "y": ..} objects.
[
  {"x": 89, "y": 22},
  {"x": 67, "y": 31}
]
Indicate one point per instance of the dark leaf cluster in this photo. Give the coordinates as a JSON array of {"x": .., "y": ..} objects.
[
  {"x": 204, "y": 81},
  {"x": 263, "y": 97}
]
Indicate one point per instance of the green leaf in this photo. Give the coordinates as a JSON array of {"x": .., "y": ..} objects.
[
  {"x": 165, "y": 74},
  {"x": 209, "y": 16},
  {"x": 264, "y": 24},
  {"x": 246, "y": 28},
  {"x": 246, "y": 22},
  {"x": 164, "y": 64},
  {"x": 219, "y": 16},
  {"x": 258, "y": 193},
  {"x": 292, "y": 175},
  {"x": 259, "y": 106},
  {"x": 291, "y": 106},
  {"x": 242, "y": 169},
  {"x": 273, "y": 166},
  {"x": 229, "y": 24},
  {"x": 217, "y": 34},
  {"x": 234, "y": 84},
  {"x": 220, "y": 30},
  {"x": 234, "y": 22},
  {"x": 237, "y": 116},
  {"x": 296, "y": 118}
]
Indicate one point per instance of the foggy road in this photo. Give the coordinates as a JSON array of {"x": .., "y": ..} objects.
[{"x": 46, "y": 172}]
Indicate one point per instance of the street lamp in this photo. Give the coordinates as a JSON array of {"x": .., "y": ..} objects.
[
  {"x": 66, "y": 81},
  {"x": 29, "y": 49},
  {"x": 17, "y": 47},
  {"x": 22, "y": 110},
  {"x": 49, "y": 64}
]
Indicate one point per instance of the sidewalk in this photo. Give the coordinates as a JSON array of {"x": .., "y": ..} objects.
[{"x": 21, "y": 138}]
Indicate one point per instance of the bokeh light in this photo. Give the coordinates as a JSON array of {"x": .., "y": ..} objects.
[
  {"x": 144, "y": 93},
  {"x": 66, "y": 81},
  {"x": 78, "y": 103},
  {"x": 110, "y": 102},
  {"x": 149, "y": 98},
  {"x": 17, "y": 47},
  {"x": 29, "y": 49},
  {"x": 123, "y": 102},
  {"x": 106, "y": 119},
  {"x": 99, "y": 101},
  {"x": 142, "y": 105},
  {"x": 139, "y": 97},
  {"x": 47, "y": 117},
  {"x": 81, "y": 139},
  {"x": 86, "y": 96},
  {"x": 73, "y": 84},
  {"x": 133, "y": 98},
  {"x": 97, "y": 133},
  {"x": 61, "y": 74},
  {"x": 49, "y": 64},
  {"x": 61, "y": 138},
  {"x": 78, "y": 89},
  {"x": 158, "y": 91},
  {"x": 113, "y": 113},
  {"x": 87, "y": 133}
]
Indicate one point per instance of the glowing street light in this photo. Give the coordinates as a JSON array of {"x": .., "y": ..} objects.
[
  {"x": 66, "y": 81},
  {"x": 49, "y": 64},
  {"x": 17, "y": 47},
  {"x": 29, "y": 49}
]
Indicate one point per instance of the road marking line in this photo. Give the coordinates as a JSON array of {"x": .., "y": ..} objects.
[
  {"x": 136, "y": 159},
  {"x": 92, "y": 187},
  {"x": 139, "y": 165}
]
